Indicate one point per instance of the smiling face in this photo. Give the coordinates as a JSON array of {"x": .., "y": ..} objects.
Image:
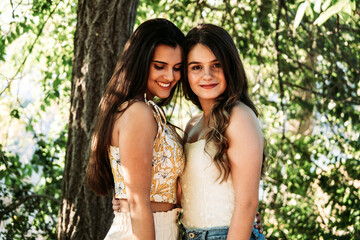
[
  {"x": 165, "y": 71},
  {"x": 205, "y": 74}
]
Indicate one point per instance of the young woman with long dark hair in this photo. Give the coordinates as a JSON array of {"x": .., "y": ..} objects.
[
  {"x": 224, "y": 144},
  {"x": 135, "y": 152}
]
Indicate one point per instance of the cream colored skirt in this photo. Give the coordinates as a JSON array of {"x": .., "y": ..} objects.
[{"x": 166, "y": 226}]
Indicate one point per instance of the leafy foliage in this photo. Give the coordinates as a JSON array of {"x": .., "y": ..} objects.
[
  {"x": 30, "y": 209},
  {"x": 36, "y": 54},
  {"x": 302, "y": 59}
]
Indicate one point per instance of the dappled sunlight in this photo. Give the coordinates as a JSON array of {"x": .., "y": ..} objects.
[{"x": 303, "y": 71}]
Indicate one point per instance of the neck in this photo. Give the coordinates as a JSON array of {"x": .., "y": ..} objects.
[
  {"x": 149, "y": 96},
  {"x": 206, "y": 118},
  {"x": 206, "y": 107}
]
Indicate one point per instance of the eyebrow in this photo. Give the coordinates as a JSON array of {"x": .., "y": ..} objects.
[
  {"x": 165, "y": 63},
  {"x": 194, "y": 62}
]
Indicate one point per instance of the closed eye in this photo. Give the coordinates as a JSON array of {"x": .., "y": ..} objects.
[
  {"x": 158, "y": 67},
  {"x": 177, "y": 68}
]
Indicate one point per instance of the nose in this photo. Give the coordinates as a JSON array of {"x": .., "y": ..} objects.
[
  {"x": 207, "y": 73},
  {"x": 169, "y": 75}
]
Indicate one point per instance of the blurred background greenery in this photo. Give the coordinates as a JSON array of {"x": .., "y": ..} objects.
[{"x": 302, "y": 59}]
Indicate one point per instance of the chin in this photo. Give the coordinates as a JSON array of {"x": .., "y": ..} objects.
[{"x": 164, "y": 95}]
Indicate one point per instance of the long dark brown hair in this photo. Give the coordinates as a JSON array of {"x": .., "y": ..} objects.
[
  {"x": 128, "y": 81},
  {"x": 223, "y": 47}
]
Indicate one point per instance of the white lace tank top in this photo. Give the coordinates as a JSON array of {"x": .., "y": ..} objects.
[{"x": 205, "y": 201}]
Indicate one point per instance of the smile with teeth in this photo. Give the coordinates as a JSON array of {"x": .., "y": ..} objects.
[{"x": 165, "y": 85}]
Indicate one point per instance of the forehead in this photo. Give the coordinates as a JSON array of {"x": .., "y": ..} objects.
[
  {"x": 168, "y": 54},
  {"x": 201, "y": 53}
]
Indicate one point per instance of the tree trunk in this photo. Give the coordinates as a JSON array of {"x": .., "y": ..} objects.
[{"x": 103, "y": 27}]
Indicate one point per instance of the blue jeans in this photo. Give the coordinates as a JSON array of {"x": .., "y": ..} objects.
[{"x": 215, "y": 233}]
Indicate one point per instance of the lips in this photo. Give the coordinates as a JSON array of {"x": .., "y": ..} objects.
[{"x": 209, "y": 86}]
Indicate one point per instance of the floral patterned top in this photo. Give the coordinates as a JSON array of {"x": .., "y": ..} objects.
[{"x": 167, "y": 164}]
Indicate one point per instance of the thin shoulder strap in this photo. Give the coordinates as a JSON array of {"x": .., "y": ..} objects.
[
  {"x": 123, "y": 106},
  {"x": 159, "y": 114}
]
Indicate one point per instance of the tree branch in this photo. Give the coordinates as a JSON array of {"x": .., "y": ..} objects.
[
  {"x": 15, "y": 205},
  {"x": 30, "y": 49},
  {"x": 303, "y": 67},
  {"x": 349, "y": 100},
  {"x": 281, "y": 85}
]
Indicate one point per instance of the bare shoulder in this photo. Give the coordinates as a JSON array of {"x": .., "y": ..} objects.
[
  {"x": 138, "y": 113},
  {"x": 242, "y": 112},
  {"x": 191, "y": 123},
  {"x": 243, "y": 121},
  {"x": 138, "y": 108}
]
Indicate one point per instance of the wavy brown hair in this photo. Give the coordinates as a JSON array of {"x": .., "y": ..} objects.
[
  {"x": 223, "y": 47},
  {"x": 128, "y": 82}
]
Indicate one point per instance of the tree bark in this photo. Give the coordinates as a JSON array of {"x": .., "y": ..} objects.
[{"x": 103, "y": 27}]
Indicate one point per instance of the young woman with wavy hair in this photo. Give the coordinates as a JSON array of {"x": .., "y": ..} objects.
[
  {"x": 224, "y": 144},
  {"x": 135, "y": 152}
]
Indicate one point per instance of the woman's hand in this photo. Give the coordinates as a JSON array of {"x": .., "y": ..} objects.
[
  {"x": 116, "y": 205},
  {"x": 258, "y": 224}
]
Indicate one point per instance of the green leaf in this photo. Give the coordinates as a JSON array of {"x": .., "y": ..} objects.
[
  {"x": 300, "y": 14},
  {"x": 56, "y": 93},
  {"x": 331, "y": 11},
  {"x": 353, "y": 5},
  {"x": 17, "y": 30},
  {"x": 15, "y": 113},
  {"x": 344, "y": 16},
  {"x": 317, "y": 6},
  {"x": 326, "y": 5},
  {"x": 347, "y": 9}
]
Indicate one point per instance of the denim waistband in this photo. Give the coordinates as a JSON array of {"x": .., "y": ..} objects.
[{"x": 214, "y": 233}]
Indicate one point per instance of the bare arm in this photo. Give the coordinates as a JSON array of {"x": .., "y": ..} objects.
[
  {"x": 136, "y": 139},
  {"x": 245, "y": 156}
]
